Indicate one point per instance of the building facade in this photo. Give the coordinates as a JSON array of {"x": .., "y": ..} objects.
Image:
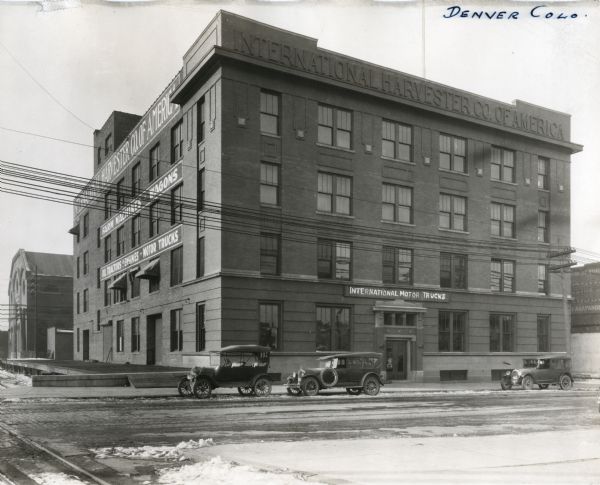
[
  {"x": 40, "y": 295},
  {"x": 281, "y": 194},
  {"x": 585, "y": 319}
]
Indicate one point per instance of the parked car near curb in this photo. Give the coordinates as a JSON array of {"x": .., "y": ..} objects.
[
  {"x": 356, "y": 371},
  {"x": 541, "y": 372},
  {"x": 243, "y": 366}
]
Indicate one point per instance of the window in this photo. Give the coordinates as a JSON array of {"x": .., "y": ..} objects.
[
  {"x": 269, "y": 183},
  {"x": 400, "y": 319},
  {"x": 121, "y": 240},
  {"x": 177, "y": 142},
  {"x": 99, "y": 155},
  {"x": 543, "y": 173},
  {"x": 333, "y": 328},
  {"x": 78, "y": 304},
  {"x": 503, "y": 165},
  {"x": 502, "y": 333},
  {"x": 453, "y": 271},
  {"x": 396, "y": 203},
  {"x": 200, "y": 190},
  {"x": 453, "y": 212},
  {"x": 107, "y": 293},
  {"x": 334, "y": 193},
  {"x": 77, "y": 266},
  {"x": 86, "y": 224},
  {"x": 154, "y": 168},
  {"x": 120, "y": 194},
  {"x": 86, "y": 262},
  {"x": 176, "y": 331},
  {"x": 177, "y": 266},
  {"x": 453, "y": 152},
  {"x": 269, "y": 325},
  {"x": 503, "y": 275},
  {"x": 201, "y": 120},
  {"x": 135, "y": 285},
  {"x": 135, "y": 334},
  {"x": 200, "y": 328},
  {"x": 335, "y": 127},
  {"x": 120, "y": 336},
  {"x": 154, "y": 223},
  {"x": 107, "y": 248},
  {"x": 153, "y": 284},
  {"x": 78, "y": 340},
  {"x": 200, "y": 258},
  {"x": 396, "y": 141},
  {"x": 108, "y": 209},
  {"x": 397, "y": 265},
  {"x": 120, "y": 293},
  {"x": 108, "y": 145},
  {"x": 334, "y": 259},
  {"x": 269, "y": 113},
  {"x": 136, "y": 180},
  {"x": 543, "y": 333},
  {"x": 451, "y": 328},
  {"x": 542, "y": 228},
  {"x": 542, "y": 278},
  {"x": 503, "y": 220},
  {"x": 98, "y": 279},
  {"x": 97, "y": 320},
  {"x": 136, "y": 231},
  {"x": 269, "y": 254},
  {"x": 177, "y": 204}
]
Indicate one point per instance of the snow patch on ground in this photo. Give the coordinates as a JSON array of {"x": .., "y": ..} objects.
[
  {"x": 217, "y": 472},
  {"x": 150, "y": 452},
  {"x": 10, "y": 379},
  {"x": 55, "y": 479}
]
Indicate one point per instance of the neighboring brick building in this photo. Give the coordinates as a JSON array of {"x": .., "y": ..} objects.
[
  {"x": 281, "y": 194},
  {"x": 40, "y": 295},
  {"x": 585, "y": 319}
]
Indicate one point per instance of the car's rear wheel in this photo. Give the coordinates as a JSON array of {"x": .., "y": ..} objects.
[
  {"x": 565, "y": 382},
  {"x": 262, "y": 387},
  {"x": 310, "y": 386},
  {"x": 505, "y": 386},
  {"x": 293, "y": 391},
  {"x": 245, "y": 390},
  {"x": 527, "y": 383},
  {"x": 371, "y": 386},
  {"x": 354, "y": 391},
  {"x": 543, "y": 386},
  {"x": 183, "y": 387},
  {"x": 202, "y": 388}
]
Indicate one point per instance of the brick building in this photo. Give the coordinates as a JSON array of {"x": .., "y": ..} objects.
[
  {"x": 40, "y": 295},
  {"x": 585, "y": 319},
  {"x": 282, "y": 194}
]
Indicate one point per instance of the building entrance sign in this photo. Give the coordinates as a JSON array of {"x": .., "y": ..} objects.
[{"x": 405, "y": 294}]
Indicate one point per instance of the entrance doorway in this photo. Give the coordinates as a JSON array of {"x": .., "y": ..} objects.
[
  {"x": 107, "y": 342},
  {"x": 396, "y": 359},
  {"x": 86, "y": 345},
  {"x": 153, "y": 338}
]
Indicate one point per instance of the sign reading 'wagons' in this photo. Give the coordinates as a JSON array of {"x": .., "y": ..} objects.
[
  {"x": 149, "y": 250},
  {"x": 404, "y": 294}
]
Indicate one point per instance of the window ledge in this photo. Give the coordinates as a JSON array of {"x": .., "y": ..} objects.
[
  {"x": 333, "y": 147},
  {"x": 454, "y": 231},
  {"x": 399, "y": 160},
  {"x": 547, "y": 191},
  {"x": 334, "y": 214},
  {"x": 456, "y": 172},
  {"x": 266, "y": 205},
  {"x": 270, "y": 135},
  {"x": 506, "y": 238},
  {"x": 514, "y": 184},
  {"x": 398, "y": 223}
]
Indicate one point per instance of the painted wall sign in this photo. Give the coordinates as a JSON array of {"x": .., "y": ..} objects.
[
  {"x": 404, "y": 294},
  {"x": 160, "y": 113},
  {"x": 147, "y": 251},
  {"x": 591, "y": 308},
  {"x": 152, "y": 192}
]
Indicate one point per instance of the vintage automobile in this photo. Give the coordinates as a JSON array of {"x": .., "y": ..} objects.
[
  {"x": 356, "y": 371},
  {"x": 541, "y": 372},
  {"x": 243, "y": 366}
]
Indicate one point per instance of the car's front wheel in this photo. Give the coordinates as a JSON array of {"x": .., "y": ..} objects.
[
  {"x": 527, "y": 383},
  {"x": 565, "y": 382},
  {"x": 202, "y": 388},
  {"x": 262, "y": 387},
  {"x": 183, "y": 387},
  {"x": 371, "y": 386},
  {"x": 505, "y": 386},
  {"x": 245, "y": 390},
  {"x": 354, "y": 391},
  {"x": 310, "y": 386},
  {"x": 293, "y": 391}
]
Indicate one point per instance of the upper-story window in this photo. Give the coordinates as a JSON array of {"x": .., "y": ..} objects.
[
  {"x": 542, "y": 278},
  {"x": 177, "y": 142},
  {"x": 334, "y": 259},
  {"x": 396, "y": 141},
  {"x": 154, "y": 160},
  {"x": 502, "y": 220},
  {"x": 335, "y": 127},
  {"x": 136, "y": 231},
  {"x": 121, "y": 240},
  {"x": 453, "y": 270},
  {"x": 269, "y": 183},
  {"x": 108, "y": 145},
  {"x": 107, "y": 248},
  {"x": 396, "y": 203},
  {"x": 86, "y": 262},
  {"x": 177, "y": 204},
  {"x": 201, "y": 106},
  {"x": 453, "y": 153},
  {"x": 120, "y": 194},
  {"x": 453, "y": 212},
  {"x": 543, "y": 170},
  {"x": 136, "y": 180},
  {"x": 503, "y": 164},
  {"x": 108, "y": 208},
  {"x": 502, "y": 275},
  {"x": 542, "y": 228},
  {"x": 269, "y": 113},
  {"x": 86, "y": 224},
  {"x": 270, "y": 255},
  {"x": 154, "y": 219},
  {"x": 397, "y": 265},
  {"x": 334, "y": 193}
]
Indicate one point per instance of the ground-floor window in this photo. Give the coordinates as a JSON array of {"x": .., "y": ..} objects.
[
  {"x": 543, "y": 333},
  {"x": 451, "y": 331},
  {"x": 400, "y": 319},
  {"x": 333, "y": 328},
  {"x": 120, "y": 336},
  {"x": 269, "y": 315},
  {"x": 176, "y": 331},
  {"x": 200, "y": 328},
  {"x": 135, "y": 334},
  {"x": 502, "y": 333}
]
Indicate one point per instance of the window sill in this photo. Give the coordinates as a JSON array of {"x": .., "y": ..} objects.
[
  {"x": 333, "y": 147},
  {"x": 398, "y": 160},
  {"x": 454, "y": 231},
  {"x": 270, "y": 135},
  {"x": 505, "y": 238},
  {"x": 334, "y": 214},
  {"x": 547, "y": 191},
  {"x": 456, "y": 172},
  {"x": 398, "y": 223},
  {"x": 266, "y": 205},
  {"x": 514, "y": 184}
]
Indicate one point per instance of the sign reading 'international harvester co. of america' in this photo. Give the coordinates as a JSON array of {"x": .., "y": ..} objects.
[{"x": 404, "y": 294}]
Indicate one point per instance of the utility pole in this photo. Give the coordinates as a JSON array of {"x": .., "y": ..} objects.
[
  {"x": 35, "y": 325},
  {"x": 561, "y": 267}
]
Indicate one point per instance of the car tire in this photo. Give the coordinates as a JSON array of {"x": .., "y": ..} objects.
[
  {"x": 354, "y": 391},
  {"x": 329, "y": 377},
  {"x": 293, "y": 391},
  {"x": 565, "y": 382},
  {"x": 262, "y": 387},
  {"x": 505, "y": 387},
  {"x": 202, "y": 388},
  {"x": 245, "y": 390},
  {"x": 310, "y": 386},
  {"x": 527, "y": 383},
  {"x": 183, "y": 387},
  {"x": 543, "y": 386},
  {"x": 371, "y": 386}
]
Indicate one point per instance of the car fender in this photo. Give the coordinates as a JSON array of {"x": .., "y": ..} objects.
[
  {"x": 258, "y": 376},
  {"x": 209, "y": 377},
  {"x": 362, "y": 382}
]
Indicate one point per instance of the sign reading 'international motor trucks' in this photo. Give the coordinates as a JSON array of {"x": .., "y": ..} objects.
[{"x": 402, "y": 293}]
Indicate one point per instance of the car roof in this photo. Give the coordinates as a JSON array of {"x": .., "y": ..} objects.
[
  {"x": 244, "y": 348},
  {"x": 545, "y": 357},
  {"x": 351, "y": 354}
]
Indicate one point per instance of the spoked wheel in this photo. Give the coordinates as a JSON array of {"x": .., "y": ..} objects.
[
  {"x": 565, "y": 382},
  {"x": 262, "y": 387},
  {"x": 371, "y": 386},
  {"x": 527, "y": 383},
  {"x": 293, "y": 391},
  {"x": 202, "y": 388},
  {"x": 184, "y": 387},
  {"x": 504, "y": 386},
  {"x": 354, "y": 391},
  {"x": 310, "y": 386},
  {"x": 245, "y": 390}
]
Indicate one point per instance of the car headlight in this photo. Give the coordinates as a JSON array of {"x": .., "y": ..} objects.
[
  {"x": 301, "y": 373},
  {"x": 507, "y": 373}
]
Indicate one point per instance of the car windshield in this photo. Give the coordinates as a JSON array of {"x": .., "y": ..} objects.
[{"x": 238, "y": 359}]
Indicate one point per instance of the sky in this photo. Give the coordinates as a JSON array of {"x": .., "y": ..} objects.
[{"x": 66, "y": 65}]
